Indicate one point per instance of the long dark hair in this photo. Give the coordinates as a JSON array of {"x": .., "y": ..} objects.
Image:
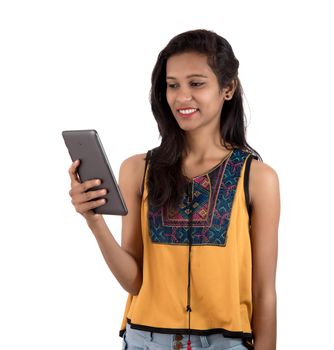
[{"x": 165, "y": 180}]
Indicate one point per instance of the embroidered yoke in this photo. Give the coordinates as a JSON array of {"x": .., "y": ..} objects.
[{"x": 197, "y": 264}]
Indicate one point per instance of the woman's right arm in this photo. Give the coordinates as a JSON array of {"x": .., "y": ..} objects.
[{"x": 125, "y": 261}]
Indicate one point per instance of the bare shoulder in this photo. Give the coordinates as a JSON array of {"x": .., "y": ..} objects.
[
  {"x": 263, "y": 180},
  {"x": 137, "y": 160},
  {"x": 132, "y": 170}
]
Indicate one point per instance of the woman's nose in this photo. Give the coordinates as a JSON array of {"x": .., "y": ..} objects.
[{"x": 183, "y": 95}]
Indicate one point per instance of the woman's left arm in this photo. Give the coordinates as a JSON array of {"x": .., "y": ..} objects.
[{"x": 265, "y": 200}]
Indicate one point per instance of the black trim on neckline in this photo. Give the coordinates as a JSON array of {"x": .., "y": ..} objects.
[{"x": 227, "y": 156}]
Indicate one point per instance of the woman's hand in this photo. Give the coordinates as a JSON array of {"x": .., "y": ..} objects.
[{"x": 84, "y": 200}]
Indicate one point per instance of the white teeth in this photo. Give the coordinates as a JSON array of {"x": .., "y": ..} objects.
[{"x": 187, "y": 111}]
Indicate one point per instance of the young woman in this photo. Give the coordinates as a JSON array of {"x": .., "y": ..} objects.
[{"x": 199, "y": 244}]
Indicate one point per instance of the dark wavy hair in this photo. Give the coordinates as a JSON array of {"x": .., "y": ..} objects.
[{"x": 165, "y": 180}]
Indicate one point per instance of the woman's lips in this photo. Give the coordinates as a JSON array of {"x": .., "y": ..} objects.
[{"x": 186, "y": 112}]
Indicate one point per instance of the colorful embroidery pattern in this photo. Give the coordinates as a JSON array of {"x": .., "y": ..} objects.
[{"x": 209, "y": 211}]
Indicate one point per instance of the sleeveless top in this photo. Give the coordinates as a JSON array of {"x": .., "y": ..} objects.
[{"x": 197, "y": 261}]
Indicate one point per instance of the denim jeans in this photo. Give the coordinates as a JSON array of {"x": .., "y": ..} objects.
[{"x": 134, "y": 339}]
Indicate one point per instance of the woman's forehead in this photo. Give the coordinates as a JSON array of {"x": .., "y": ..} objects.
[{"x": 188, "y": 63}]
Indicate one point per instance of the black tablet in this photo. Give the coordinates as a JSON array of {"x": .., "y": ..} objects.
[{"x": 86, "y": 146}]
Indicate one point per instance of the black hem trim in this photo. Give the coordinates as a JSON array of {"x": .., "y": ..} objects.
[{"x": 225, "y": 332}]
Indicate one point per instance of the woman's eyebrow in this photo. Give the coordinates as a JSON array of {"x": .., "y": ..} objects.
[{"x": 190, "y": 76}]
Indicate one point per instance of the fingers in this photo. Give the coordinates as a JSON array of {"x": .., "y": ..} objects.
[
  {"x": 73, "y": 171},
  {"x": 84, "y": 207},
  {"x": 83, "y": 199}
]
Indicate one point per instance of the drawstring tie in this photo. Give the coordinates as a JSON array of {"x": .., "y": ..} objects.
[{"x": 190, "y": 199}]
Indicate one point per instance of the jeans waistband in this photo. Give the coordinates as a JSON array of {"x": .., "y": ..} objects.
[{"x": 176, "y": 340}]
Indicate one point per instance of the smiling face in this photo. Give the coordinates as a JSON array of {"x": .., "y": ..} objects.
[{"x": 193, "y": 92}]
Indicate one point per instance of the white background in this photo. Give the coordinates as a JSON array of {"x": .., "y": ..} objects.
[{"x": 87, "y": 64}]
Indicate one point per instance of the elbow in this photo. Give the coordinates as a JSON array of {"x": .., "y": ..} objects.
[
  {"x": 266, "y": 297},
  {"x": 262, "y": 291},
  {"x": 134, "y": 290},
  {"x": 134, "y": 287}
]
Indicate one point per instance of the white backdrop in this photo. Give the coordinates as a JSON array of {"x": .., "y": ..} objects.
[{"x": 87, "y": 64}]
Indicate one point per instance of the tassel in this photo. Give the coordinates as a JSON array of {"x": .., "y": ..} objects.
[{"x": 189, "y": 345}]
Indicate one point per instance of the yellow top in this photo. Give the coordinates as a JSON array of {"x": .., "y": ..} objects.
[{"x": 221, "y": 259}]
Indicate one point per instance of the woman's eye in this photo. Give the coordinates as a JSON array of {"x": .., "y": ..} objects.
[
  {"x": 196, "y": 84},
  {"x": 193, "y": 84}
]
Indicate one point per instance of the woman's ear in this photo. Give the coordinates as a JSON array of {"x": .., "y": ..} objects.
[{"x": 228, "y": 91}]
